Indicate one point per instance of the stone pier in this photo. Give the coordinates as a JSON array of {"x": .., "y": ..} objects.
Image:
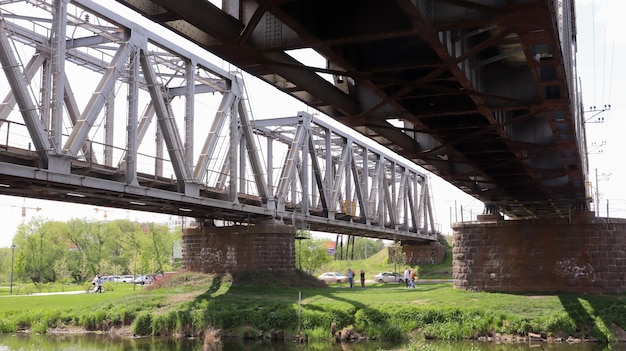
[
  {"x": 584, "y": 254},
  {"x": 236, "y": 248},
  {"x": 417, "y": 253}
]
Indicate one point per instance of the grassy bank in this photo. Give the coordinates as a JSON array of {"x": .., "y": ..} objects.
[{"x": 187, "y": 304}]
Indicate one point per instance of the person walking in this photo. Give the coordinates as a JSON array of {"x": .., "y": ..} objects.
[
  {"x": 97, "y": 283},
  {"x": 350, "y": 277},
  {"x": 406, "y": 277},
  {"x": 362, "y": 279}
]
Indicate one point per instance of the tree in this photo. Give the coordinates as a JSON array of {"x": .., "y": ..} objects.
[
  {"x": 48, "y": 251},
  {"x": 397, "y": 255},
  {"x": 129, "y": 240},
  {"x": 157, "y": 252},
  {"x": 62, "y": 271},
  {"x": 312, "y": 255},
  {"x": 38, "y": 244},
  {"x": 82, "y": 258},
  {"x": 366, "y": 247}
]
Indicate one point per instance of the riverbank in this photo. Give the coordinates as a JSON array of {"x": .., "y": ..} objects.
[{"x": 256, "y": 304}]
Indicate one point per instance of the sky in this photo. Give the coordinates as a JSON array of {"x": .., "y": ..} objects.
[
  {"x": 601, "y": 54},
  {"x": 600, "y": 48}
]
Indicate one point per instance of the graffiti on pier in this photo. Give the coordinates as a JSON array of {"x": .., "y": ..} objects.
[
  {"x": 575, "y": 268},
  {"x": 215, "y": 256},
  {"x": 231, "y": 258}
]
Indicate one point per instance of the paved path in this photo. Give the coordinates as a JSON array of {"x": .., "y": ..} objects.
[{"x": 50, "y": 293}]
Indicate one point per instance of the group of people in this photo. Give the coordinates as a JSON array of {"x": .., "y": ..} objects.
[
  {"x": 351, "y": 277},
  {"x": 410, "y": 277}
]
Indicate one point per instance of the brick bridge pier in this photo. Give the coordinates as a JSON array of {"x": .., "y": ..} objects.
[
  {"x": 584, "y": 254},
  {"x": 265, "y": 246}
]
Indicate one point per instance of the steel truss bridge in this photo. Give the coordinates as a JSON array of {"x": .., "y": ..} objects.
[
  {"x": 98, "y": 110},
  {"x": 481, "y": 92}
]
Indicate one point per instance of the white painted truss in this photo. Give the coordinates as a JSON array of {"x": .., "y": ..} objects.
[{"x": 99, "y": 110}]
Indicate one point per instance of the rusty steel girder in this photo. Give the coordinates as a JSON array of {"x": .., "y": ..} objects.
[{"x": 481, "y": 93}]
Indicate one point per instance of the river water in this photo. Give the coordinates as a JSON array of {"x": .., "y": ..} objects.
[{"x": 100, "y": 342}]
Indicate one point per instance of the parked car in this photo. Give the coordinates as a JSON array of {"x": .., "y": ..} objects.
[
  {"x": 389, "y": 277},
  {"x": 143, "y": 279},
  {"x": 127, "y": 279},
  {"x": 112, "y": 279},
  {"x": 332, "y": 277}
]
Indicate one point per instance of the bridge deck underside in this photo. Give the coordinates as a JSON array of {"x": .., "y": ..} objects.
[{"x": 480, "y": 93}]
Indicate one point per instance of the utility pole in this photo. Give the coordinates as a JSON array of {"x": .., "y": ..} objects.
[
  {"x": 598, "y": 118},
  {"x": 12, "y": 264},
  {"x": 602, "y": 176},
  {"x": 597, "y": 206}
]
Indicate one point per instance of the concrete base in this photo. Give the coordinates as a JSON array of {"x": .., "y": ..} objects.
[
  {"x": 587, "y": 254},
  {"x": 237, "y": 248}
]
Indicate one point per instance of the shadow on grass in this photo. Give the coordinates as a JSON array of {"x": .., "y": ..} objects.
[
  {"x": 596, "y": 316},
  {"x": 216, "y": 283}
]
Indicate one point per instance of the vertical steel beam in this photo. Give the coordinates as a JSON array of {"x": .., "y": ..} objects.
[
  {"x": 391, "y": 194},
  {"x": 109, "y": 129},
  {"x": 347, "y": 169},
  {"x": 57, "y": 42},
  {"x": 365, "y": 207},
  {"x": 45, "y": 95},
  {"x": 304, "y": 174},
  {"x": 270, "y": 165},
  {"x": 190, "y": 93},
  {"x": 329, "y": 174},
  {"x": 242, "y": 162},
  {"x": 132, "y": 142},
  {"x": 232, "y": 156}
]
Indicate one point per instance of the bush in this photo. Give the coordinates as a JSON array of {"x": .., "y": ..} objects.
[
  {"x": 369, "y": 317},
  {"x": 314, "y": 319},
  {"x": 142, "y": 324},
  {"x": 6, "y": 326},
  {"x": 164, "y": 324}
]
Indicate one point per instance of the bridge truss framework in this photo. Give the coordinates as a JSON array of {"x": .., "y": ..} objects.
[
  {"x": 57, "y": 56},
  {"x": 485, "y": 90}
]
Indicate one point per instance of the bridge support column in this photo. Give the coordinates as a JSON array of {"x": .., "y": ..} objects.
[
  {"x": 237, "y": 248},
  {"x": 423, "y": 253},
  {"x": 586, "y": 254}
]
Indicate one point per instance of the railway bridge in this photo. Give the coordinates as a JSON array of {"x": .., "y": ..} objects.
[{"x": 481, "y": 93}]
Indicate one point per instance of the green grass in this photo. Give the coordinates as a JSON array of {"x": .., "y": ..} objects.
[{"x": 187, "y": 304}]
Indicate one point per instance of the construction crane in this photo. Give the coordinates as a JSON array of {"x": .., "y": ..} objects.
[{"x": 24, "y": 208}]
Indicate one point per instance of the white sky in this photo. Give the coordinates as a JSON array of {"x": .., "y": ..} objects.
[{"x": 600, "y": 49}]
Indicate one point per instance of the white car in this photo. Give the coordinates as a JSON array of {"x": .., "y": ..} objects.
[
  {"x": 333, "y": 277},
  {"x": 143, "y": 279},
  {"x": 112, "y": 278},
  {"x": 389, "y": 277},
  {"x": 127, "y": 279}
]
